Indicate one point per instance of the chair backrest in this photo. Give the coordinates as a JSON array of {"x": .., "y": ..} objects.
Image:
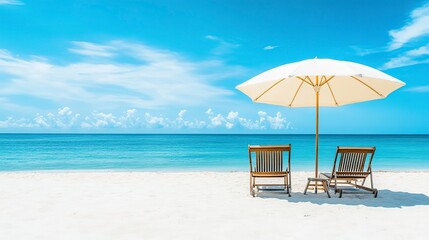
[
  {"x": 269, "y": 158},
  {"x": 353, "y": 160}
]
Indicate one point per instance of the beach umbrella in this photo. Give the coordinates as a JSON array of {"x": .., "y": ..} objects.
[{"x": 319, "y": 82}]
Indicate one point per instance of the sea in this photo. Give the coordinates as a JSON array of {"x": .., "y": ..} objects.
[{"x": 196, "y": 152}]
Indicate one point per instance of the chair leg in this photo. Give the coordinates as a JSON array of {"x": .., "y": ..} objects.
[
  {"x": 329, "y": 181},
  {"x": 306, "y": 187},
  {"x": 335, "y": 185},
  {"x": 287, "y": 185},
  {"x": 325, "y": 187},
  {"x": 252, "y": 192},
  {"x": 372, "y": 183}
]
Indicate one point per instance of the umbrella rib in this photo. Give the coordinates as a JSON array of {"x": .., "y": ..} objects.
[
  {"x": 296, "y": 93},
  {"x": 359, "y": 80},
  {"x": 327, "y": 80},
  {"x": 303, "y": 79},
  {"x": 309, "y": 79},
  {"x": 262, "y": 94},
  {"x": 332, "y": 93}
]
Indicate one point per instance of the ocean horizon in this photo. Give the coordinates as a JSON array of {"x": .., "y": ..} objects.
[{"x": 196, "y": 152}]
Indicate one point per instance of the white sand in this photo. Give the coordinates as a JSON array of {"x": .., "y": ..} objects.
[{"x": 204, "y": 205}]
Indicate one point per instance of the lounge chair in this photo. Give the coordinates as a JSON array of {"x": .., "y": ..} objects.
[
  {"x": 269, "y": 164},
  {"x": 352, "y": 166}
]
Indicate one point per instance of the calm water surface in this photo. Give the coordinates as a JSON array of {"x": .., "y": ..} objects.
[{"x": 22, "y": 152}]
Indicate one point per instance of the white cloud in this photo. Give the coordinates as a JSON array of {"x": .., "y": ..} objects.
[
  {"x": 269, "y": 47},
  {"x": 223, "y": 46},
  {"x": 421, "y": 89},
  {"x": 417, "y": 27},
  {"x": 131, "y": 112},
  {"x": 408, "y": 58},
  {"x": 229, "y": 125},
  {"x": 65, "y": 111},
  {"x": 129, "y": 119},
  {"x": 209, "y": 112},
  {"x": 277, "y": 122},
  {"x": 234, "y": 120},
  {"x": 103, "y": 120},
  {"x": 232, "y": 116},
  {"x": 414, "y": 32},
  {"x": 65, "y": 118},
  {"x": 151, "y": 78},
  {"x": 211, "y": 37},
  {"x": 365, "y": 51},
  {"x": 91, "y": 49},
  {"x": 396, "y": 62},
  {"x": 180, "y": 121},
  {"x": 11, "y": 2},
  {"x": 262, "y": 115},
  {"x": 419, "y": 51},
  {"x": 156, "y": 121},
  {"x": 181, "y": 114},
  {"x": 41, "y": 121},
  {"x": 218, "y": 120},
  {"x": 18, "y": 123}
]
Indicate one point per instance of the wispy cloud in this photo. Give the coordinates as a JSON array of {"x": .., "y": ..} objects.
[
  {"x": 416, "y": 31},
  {"x": 223, "y": 47},
  {"x": 421, "y": 89},
  {"x": 270, "y": 47},
  {"x": 367, "y": 51},
  {"x": 417, "y": 26},
  {"x": 419, "y": 51},
  {"x": 129, "y": 74},
  {"x": 11, "y": 2},
  {"x": 91, "y": 49},
  {"x": 408, "y": 58},
  {"x": 65, "y": 118}
]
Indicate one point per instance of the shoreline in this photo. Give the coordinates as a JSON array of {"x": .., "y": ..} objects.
[
  {"x": 309, "y": 134},
  {"x": 184, "y": 171}
]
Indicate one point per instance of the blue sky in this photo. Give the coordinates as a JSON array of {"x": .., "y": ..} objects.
[{"x": 172, "y": 66}]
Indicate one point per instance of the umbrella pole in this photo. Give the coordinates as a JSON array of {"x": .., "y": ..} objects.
[{"x": 317, "y": 134}]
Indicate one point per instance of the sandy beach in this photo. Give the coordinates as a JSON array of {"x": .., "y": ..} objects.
[{"x": 204, "y": 205}]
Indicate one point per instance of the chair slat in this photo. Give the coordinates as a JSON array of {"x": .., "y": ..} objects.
[
  {"x": 352, "y": 162},
  {"x": 353, "y": 158},
  {"x": 270, "y": 160},
  {"x": 258, "y": 162}
]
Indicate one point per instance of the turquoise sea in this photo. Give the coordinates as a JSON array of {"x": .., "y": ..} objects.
[{"x": 164, "y": 152}]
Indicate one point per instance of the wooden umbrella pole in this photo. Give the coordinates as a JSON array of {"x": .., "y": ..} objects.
[
  {"x": 317, "y": 90},
  {"x": 317, "y": 134}
]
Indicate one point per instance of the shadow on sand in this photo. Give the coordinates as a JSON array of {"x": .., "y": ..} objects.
[{"x": 386, "y": 198}]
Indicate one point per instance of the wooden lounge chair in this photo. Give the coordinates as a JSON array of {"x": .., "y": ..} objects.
[
  {"x": 269, "y": 164},
  {"x": 352, "y": 168}
]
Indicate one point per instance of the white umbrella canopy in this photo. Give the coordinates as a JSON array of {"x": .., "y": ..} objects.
[
  {"x": 340, "y": 83},
  {"x": 319, "y": 82}
]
